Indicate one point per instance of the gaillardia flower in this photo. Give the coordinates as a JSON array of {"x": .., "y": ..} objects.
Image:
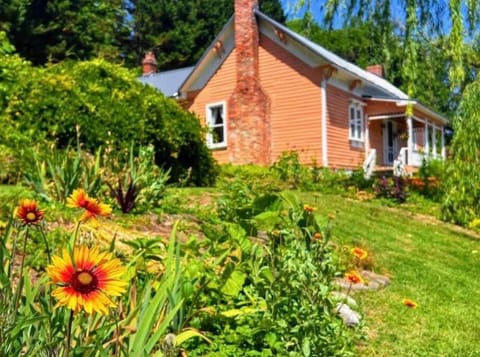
[
  {"x": 359, "y": 253},
  {"x": 308, "y": 208},
  {"x": 93, "y": 208},
  {"x": 28, "y": 212},
  {"x": 409, "y": 303},
  {"x": 353, "y": 277},
  {"x": 88, "y": 281}
]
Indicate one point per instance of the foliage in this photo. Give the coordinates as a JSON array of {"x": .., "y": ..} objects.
[
  {"x": 92, "y": 102},
  {"x": 461, "y": 204},
  {"x": 289, "y": 169},
  {"x": 428, "y": 180},
  {"x": 394, "y": 188},
  {"x": 57, "y": 172},
  {"x": 275, "y": 297},
  {"x": 50, "y": 32},
  {"x": 138, "y": 182}
]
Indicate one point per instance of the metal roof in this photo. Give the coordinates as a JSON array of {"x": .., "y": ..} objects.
[{"x": 167, "y": 82}]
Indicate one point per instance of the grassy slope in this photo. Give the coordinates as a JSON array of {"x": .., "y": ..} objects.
[{"x": 430, "y": 262}]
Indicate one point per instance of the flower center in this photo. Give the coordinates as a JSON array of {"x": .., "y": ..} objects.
[
  {"x": 84, "y": 282},
  {"x": 84, "y": 278},
  {"x": 31, "y": 216}
]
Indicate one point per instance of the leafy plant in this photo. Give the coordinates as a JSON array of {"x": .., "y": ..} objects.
[
  {"x": 137, "y": 183},
  {"x": 394, "y": 188}
]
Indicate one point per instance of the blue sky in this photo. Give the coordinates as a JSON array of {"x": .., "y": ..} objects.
[{"x": 292, "y": 10}]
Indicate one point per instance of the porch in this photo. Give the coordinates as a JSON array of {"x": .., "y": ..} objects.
[{"x": 401, "y": 142}]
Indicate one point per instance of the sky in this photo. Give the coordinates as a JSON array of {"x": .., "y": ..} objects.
[{"x": 293, "y": 10}]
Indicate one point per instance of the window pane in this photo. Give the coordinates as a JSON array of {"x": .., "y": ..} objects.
[
  {"x": 217, "y": 115},
  {"x": 217, "y": 135}
]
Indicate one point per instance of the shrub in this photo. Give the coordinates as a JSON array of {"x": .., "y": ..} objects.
[
  {"x": 101, "y": 102},
  {"x": 394, "y": 188}
]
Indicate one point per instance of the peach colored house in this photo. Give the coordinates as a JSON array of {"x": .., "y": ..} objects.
[{"x": 263, "y": 89}]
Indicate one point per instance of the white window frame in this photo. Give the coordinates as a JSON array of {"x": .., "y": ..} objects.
[
  {"x": 211, "y": 125},
  {"x": 358, "y": 121}
]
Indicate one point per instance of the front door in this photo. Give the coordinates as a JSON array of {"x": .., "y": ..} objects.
[{"x": 389, "y": 142}]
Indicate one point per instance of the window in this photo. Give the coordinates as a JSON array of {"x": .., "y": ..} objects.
[
  {"x": 356, "y": 121},
  {"x": 216, "y": 122}
]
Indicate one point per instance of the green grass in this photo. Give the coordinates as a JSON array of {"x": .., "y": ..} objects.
[{"x": 435, "y": 264}]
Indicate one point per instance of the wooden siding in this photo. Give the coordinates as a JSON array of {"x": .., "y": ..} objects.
[
  {"x": 218, "y": 88},
  {"x": 341, "y": 154},
  {"x": 295, "y": 102}
]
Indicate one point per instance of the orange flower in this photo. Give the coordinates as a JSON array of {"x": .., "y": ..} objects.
[
  {"x": 28, "y": 212},
  {"x": 308, "y": 209},
  {"x": 93, "y": 208},
  {"x": 353, "y": 277},
  {"x": 317, "y": 236},
  {"x": 87, "y": 281},
  {"x": 359, "y": 253},
  {"x": 409, "y": 303}
]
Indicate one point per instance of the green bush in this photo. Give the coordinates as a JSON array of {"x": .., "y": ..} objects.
[{"x": 99, "y": 103}]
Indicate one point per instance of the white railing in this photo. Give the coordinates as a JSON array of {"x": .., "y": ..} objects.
[
  {"x": 369, "y": 163},
  {"x": 400, "y": 163},
  {"x": 419, "y": 156}
]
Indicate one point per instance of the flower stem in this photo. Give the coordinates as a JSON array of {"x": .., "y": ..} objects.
[
  {"x": 344, "y": 300},
  {"x": 46, "y": 245},
  {"x": 69, "y": 333},
  {"x": 20, "y": 278}
]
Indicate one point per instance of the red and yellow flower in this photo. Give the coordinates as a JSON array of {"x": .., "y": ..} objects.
[
  {"x": 308, "y": 208},
  {"x": 359, "y": 253},
  {"x": 28, "y": 212},
  {"x": 409, "y": 303},
  {"x": 93, "y": 207},
  {"x": 353, "y": 277},
  {"x": 88, "y": 281}
]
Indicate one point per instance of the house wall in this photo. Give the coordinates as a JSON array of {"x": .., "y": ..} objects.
[
  {"x": 293, "y": 89},
  {"x": 341, "y": 154},
  {"x": 219, "y": 88}
]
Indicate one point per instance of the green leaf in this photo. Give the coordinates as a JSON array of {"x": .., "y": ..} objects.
[{"x": 234, "y": 283}]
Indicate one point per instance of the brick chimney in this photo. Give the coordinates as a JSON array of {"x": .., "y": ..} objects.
[
  {"x": 376, "y": 69},
  {"x": 248, "y": 106},
  {"x": 149, "y": 64}
]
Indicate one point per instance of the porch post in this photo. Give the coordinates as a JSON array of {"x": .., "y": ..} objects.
[
  {"x": 323, "y": 93},
  {"x": 367, "y": 136},
  {"x": 434, "y": 139},
  {"x": 426, "y": 143},
  {"x": 409, "y": 140},
  {"x": 444, "y": 153}
]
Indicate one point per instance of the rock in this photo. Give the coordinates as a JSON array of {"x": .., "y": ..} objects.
[
  {"x": 350, "y": 317},
  {"x": 372, "y": 281},
  {"x": 340, "y": 297}
]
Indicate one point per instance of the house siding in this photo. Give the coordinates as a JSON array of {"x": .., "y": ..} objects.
[
  {"x": 294, "y": 92},
  {"x": 341, "y": 154},
  {"x": 219, "y": 88}
]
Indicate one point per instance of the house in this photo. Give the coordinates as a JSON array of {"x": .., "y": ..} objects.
[{"x": 263, "y": 89}]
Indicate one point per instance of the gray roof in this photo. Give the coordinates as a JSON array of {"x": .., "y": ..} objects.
[{"x": 167, "y": 82}]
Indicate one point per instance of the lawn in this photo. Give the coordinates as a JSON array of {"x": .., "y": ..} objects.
[{"x": 433, "y": 263}]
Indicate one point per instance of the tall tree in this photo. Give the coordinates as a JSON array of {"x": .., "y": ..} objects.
[
  {"x": 54, "y": 30},
  {"x": 180, "y": 31}
]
